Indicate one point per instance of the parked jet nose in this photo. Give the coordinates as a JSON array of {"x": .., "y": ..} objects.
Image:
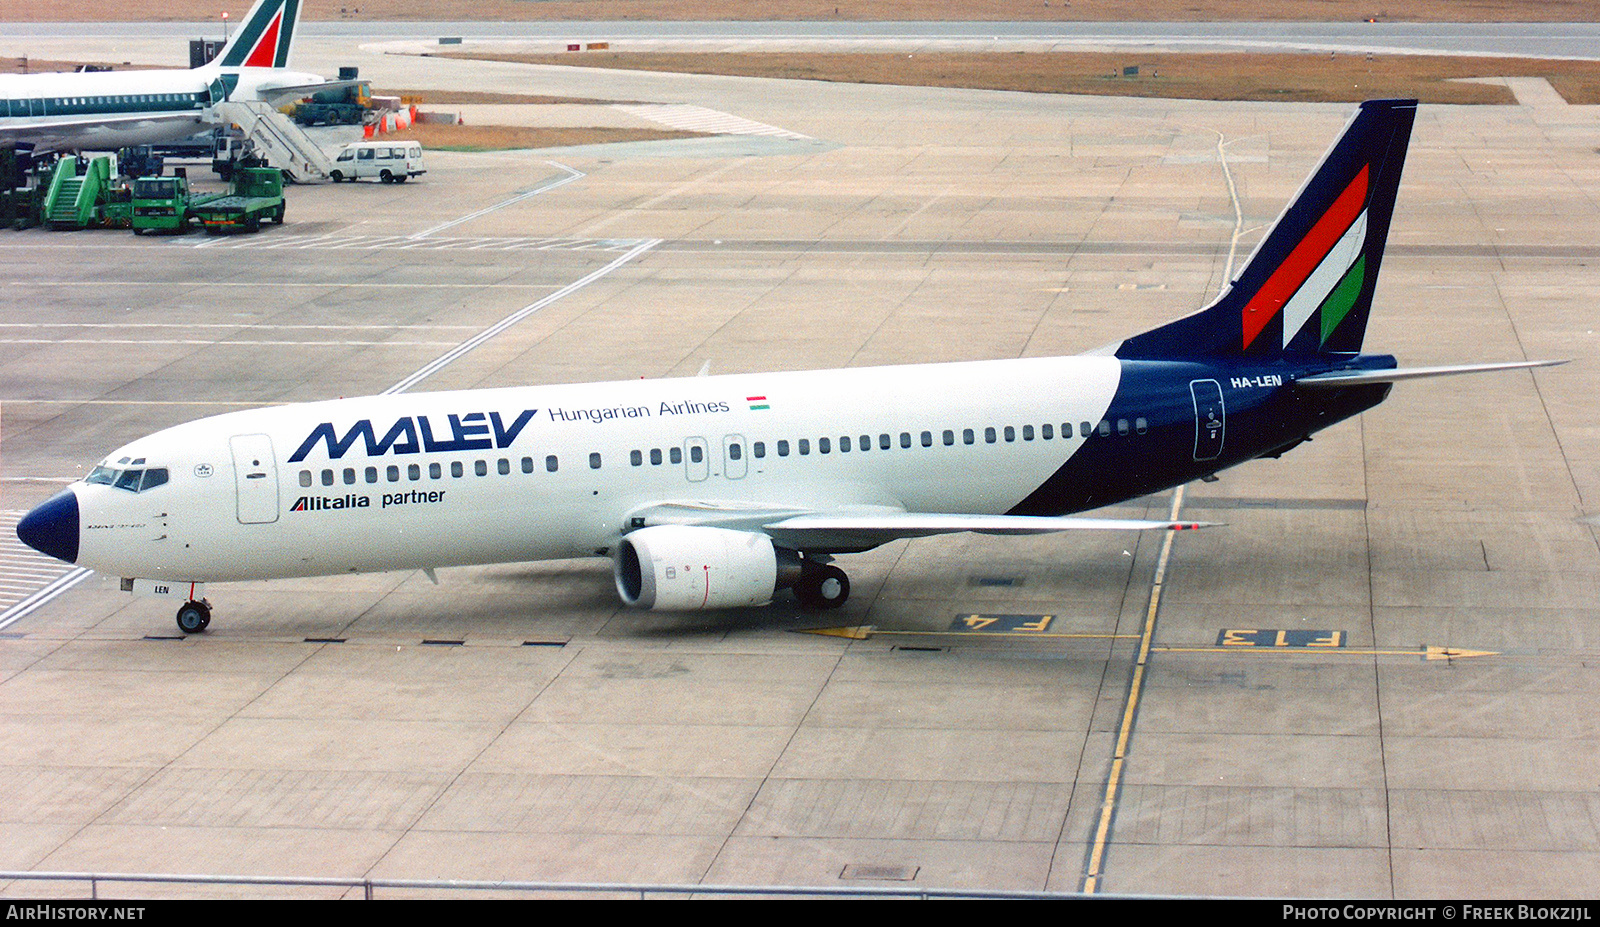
[{"x": 52, "y": 527}]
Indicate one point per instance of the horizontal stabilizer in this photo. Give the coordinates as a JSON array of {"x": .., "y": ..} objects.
[
  {"x": 1340, "y": 378},
  {"x": 279, "y": 94}
]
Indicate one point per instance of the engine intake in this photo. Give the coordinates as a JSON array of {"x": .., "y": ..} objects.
[{"x": 688, "y": 568}]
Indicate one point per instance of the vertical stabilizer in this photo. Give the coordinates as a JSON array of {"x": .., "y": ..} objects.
[
  {"x": 263, "y": 38},
  {"x": 1307, "y": 289}
]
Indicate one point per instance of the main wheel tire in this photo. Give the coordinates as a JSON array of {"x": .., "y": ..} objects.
[
  {"x": 827, "y": 588},
  {"x": 194, "y": 617}
]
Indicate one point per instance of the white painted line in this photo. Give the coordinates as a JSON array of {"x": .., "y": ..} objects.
[
  {"x": 202, "y": 342},
  {"x": 560, "y": 181},
  {"x": 472, "y": 343},
  {"x": 20, "y": 610}
]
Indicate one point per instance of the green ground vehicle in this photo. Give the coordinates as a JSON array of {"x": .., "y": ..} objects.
[
  {"x": 161, "y": 203},
  {"x": 257, "y": 196},
  {"x": 76, "y": 195},
  {"x": 117, "y": 212}
]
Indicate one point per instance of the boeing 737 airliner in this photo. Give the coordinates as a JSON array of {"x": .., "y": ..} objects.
[
  {"x": 103, "y": 111},
  {"x": 716, "y": 492}
]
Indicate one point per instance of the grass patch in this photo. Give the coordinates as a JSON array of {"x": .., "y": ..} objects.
[
  {"x": 457, "y": 97},
  {"x": 501, "y": 138},
  {"x": 1302, "y": 78}
]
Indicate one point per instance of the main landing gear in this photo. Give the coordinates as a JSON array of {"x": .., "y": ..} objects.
[
  {"x": 822, "y": 586},
  {"x": 193, "y": 617}
]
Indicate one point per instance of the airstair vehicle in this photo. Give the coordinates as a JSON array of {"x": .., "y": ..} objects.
[{"x": 278, "y": 140}]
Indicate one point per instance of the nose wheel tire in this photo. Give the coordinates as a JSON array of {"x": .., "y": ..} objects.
[
  {"x": 826, "y": 588},
  {"x": 193, "y": 617}
]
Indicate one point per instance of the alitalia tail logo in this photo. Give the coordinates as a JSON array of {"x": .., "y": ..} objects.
[
  {"x": 1325, "y": 271},
  {"x": 266, "y": 50}
]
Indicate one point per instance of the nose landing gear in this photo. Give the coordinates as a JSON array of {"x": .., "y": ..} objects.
[{"x": 193, "y": 617}]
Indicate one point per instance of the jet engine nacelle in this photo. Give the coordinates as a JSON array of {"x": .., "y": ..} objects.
[{"x": 682, "y": 568}]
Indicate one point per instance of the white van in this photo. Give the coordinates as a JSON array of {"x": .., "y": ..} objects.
[{"x": 390, "y": 162}]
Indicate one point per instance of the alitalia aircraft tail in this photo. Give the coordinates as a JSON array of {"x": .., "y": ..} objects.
[
  {"x": 1307, "y": 290},
  {"x": 263, "y": 38}
]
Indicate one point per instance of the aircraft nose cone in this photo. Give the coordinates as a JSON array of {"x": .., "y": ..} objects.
[{"x": 52, "y": 528}]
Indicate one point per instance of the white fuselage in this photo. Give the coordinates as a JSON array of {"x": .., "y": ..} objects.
[
  {"x": 104, "y": 111},
  {"x": 500, "y": 475}
]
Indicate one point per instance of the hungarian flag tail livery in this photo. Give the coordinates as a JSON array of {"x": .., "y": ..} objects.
[{"x": 1306, "y": 291}]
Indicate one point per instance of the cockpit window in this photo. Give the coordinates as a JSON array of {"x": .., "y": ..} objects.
[{"x": 133, "y": 480}]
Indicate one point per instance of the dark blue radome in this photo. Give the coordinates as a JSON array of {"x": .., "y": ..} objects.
[{"x": 52, "y": 528}]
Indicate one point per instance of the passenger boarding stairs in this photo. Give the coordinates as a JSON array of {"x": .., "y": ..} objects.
[
  {"x": 276, "y": 138},
  {"x": 74, "y": 198}
]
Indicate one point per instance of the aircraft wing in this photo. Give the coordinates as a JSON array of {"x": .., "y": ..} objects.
[
  {"x": 863, "y": 527},
  {"x": 1339, "y": 378},
  {"x": 846, "y": 532},
  {"x": 43, "y": 133}
]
